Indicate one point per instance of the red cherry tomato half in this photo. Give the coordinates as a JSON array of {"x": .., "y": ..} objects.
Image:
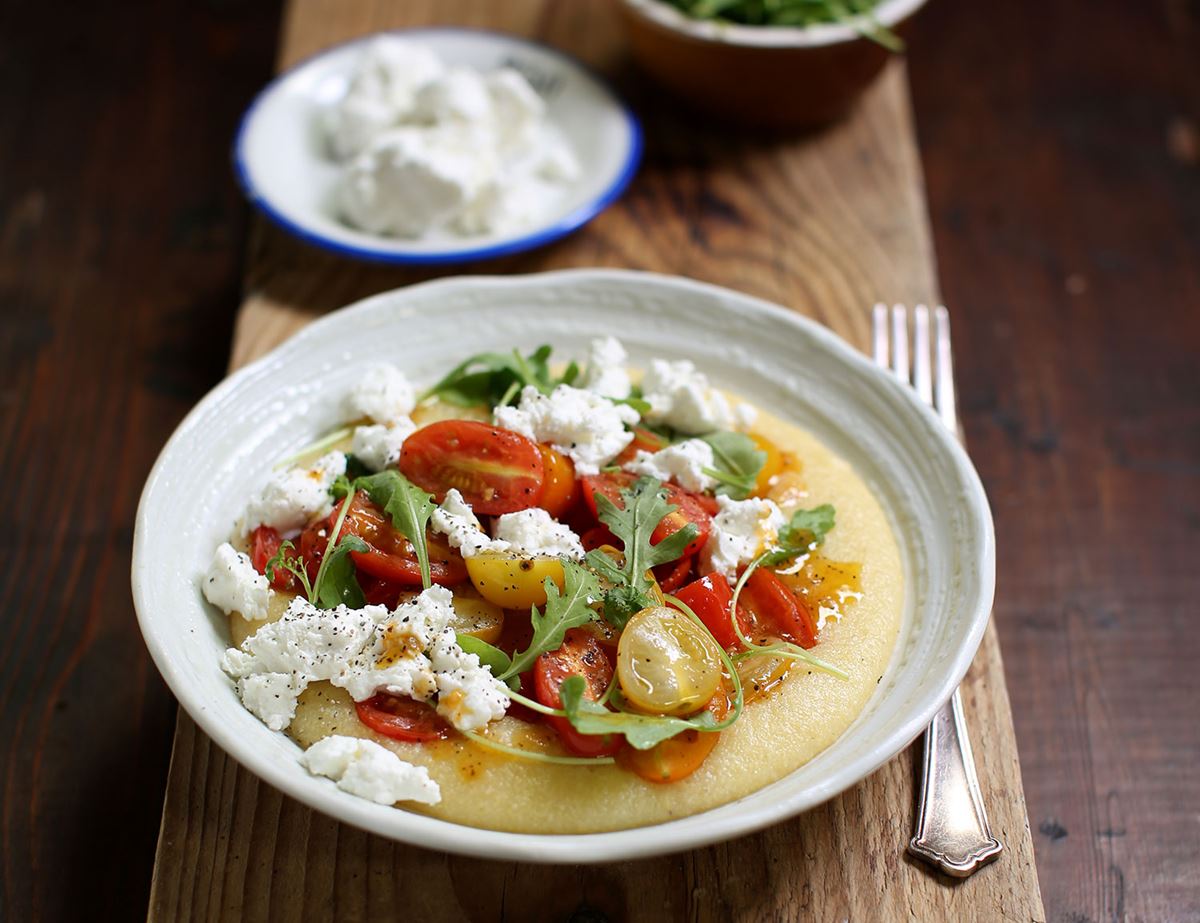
[
  {"x": 688, "y": 509},
  {"x": 597, "y": 536},
  {"x": 769, "y": 600},
  {"x": 264, "y": 544},
  {"x": 401, "y": 718},
  {"x": 644, "y": 440},
  {"x": 391, "y": 558},
  {"x": 674, "y": 574},
  {"x": 710, "y": 598},
  {"x": 582, "y": 655},
  {"x": 496, "y": 470}
]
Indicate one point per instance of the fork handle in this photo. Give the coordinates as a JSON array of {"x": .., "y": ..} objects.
[{"x": 952, "y": 826}]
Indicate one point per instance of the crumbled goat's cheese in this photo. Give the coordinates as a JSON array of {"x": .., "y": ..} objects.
[
  {"x": 741, "y": 530},
  {"x": 411, "y": 651},
  {"x": 384, "y": 85},
  {"x": 535, "y": 533},
  {"x": 588, "y": 428},
  {"x": 368, "y": 770},
  {"x": 680, "y": 396},
  {"x": 233, "y": 585},
  {"x": 450, "y": 149},
  {"x": 529, "y": 533},
  {"x": 378, "y": 446},
  {"x": 605, "y": 372},
  {"x": 384, "y": 395},
  {"x": 296, "y": 495},
  {"x": 684, "y": 463}
]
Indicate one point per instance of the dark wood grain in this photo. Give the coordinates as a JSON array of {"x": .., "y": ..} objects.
[
  {"x": 1061, "y": 145},
  {"x": 120, "y": 243},
  {"x": 1063, "y": 171}
]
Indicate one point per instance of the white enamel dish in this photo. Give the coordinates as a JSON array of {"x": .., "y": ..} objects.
[
  {"x": 226, "y": 446},
  {"x": 281, "y": 162}
]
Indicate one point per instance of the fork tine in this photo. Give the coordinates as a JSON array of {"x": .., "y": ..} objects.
[
  {"x": 922, "y": 355},
  {"x": 879, "y": 333},
  {"x": 945, "y": 401},
  {"x": 900, "y": 342}
]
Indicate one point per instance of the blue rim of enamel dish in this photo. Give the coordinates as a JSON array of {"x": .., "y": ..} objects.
[{"x": 565, "y": 225}]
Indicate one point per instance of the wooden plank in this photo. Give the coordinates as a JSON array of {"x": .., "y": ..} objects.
[{"x": 825, "y": 224}]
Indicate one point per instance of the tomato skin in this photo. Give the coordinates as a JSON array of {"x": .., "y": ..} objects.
[
  {"x": 560, "y": 488},
  {"x": 689, "y": 510},
  {"x": 710, "y": 598},
  {"x": 401, "y": 718},
  {"x": 391, "y": 557},
  {"x": 496, "y": 470},
  {"x": 674, "y": 574},
  {"x": 769, "y": 600},
  {"x": 596, "y": 536},
  {"x": 679, "y": 756},
  {"x": 580, "y": 654},
  {"x": 644, "y": 440},
  {"x": 264, "y": 544}
]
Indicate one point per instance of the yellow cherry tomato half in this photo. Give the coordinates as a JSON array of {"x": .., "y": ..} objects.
[
  {"x": 512, "y": 581},
  {"x": 475, "y": 616},
  {"x": 666, "y": 663},
  {"x": 679, "y": 756},
  {"x": 560, "y": 489}
]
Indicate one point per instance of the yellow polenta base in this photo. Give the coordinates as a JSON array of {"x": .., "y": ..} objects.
[{"x": 774, "y": 736}]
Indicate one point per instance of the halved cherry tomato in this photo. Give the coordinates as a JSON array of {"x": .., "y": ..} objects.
[
  {"x": 674, "y": 574},
  {"x": 597, "y": 536},
  {"x": 679, "y": 756},
  {"x": 391, "y": 557},
  {"x": 769, "y": 600},
  {"x": 378, "y": 592},
  {"x": 582, "y": 655},
  {"x": 710, "y": 598},
  {"x": 496, "y": 470},
  {"x": 644, "y": 440},
  {"x": 401, "y": 718},
  {"x": 560, "y": 490},
  {"x": 264, "y": 544},
  {"x": 688, "y": 509}
]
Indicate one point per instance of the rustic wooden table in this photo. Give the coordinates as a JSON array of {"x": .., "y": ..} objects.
[{"x": 1060, "y": 149}]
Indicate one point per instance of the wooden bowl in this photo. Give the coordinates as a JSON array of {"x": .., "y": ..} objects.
[{"x": 763, "y": 76}]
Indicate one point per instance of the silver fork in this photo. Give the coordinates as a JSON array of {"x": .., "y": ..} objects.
[{"x": 952, "y": 830}]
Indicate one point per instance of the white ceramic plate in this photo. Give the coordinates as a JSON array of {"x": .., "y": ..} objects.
[
  {"x": 280, "y": 159},
  {"x": 225, "y": 448}
]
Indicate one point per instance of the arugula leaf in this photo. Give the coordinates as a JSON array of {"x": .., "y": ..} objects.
[
  {"x": 292, "y": 563},
  {"x": 490, "y": 656},
  {"x": 736, "y": 463},
  {"x": 645, "y": 506},
  {"x": 409, "y": 507},
  {"x": 495, "y": 378},
  {"x": 569, "y": 609},
  {"x": 337, "y": 583},
  {"x": 642, "y": 731},
  {"x": 806, "y": 528}
]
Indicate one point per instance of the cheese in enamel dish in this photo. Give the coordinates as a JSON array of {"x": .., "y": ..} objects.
[
  {"x": 395, "y": 688},
  {"x": 428, "y": 148}
]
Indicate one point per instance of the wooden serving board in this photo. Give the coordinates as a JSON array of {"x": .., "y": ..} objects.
[{"x": 826, "y": 224}]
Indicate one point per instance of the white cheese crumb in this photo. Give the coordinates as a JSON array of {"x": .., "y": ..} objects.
[
  {"x": 535, "y": 533},
  {"x": 530, "y": 533},
  {"x": 383, "y": 395},
  {"x": 233, "y": 585},
  {"x": 378, "y": 446},
  {"x": 294, "y": 496},
  {"x": 605, "y": 372},
  {"x": 411, "y": 651},
  {"x": 382, "y": 92},
  {"x": 742, "y": 529},
  {"x": 680, "y": 396},
  {"x": 684, "y": 463},
  {"x": 368, "y": 770},
  {"x": 588, "y": 428}
]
